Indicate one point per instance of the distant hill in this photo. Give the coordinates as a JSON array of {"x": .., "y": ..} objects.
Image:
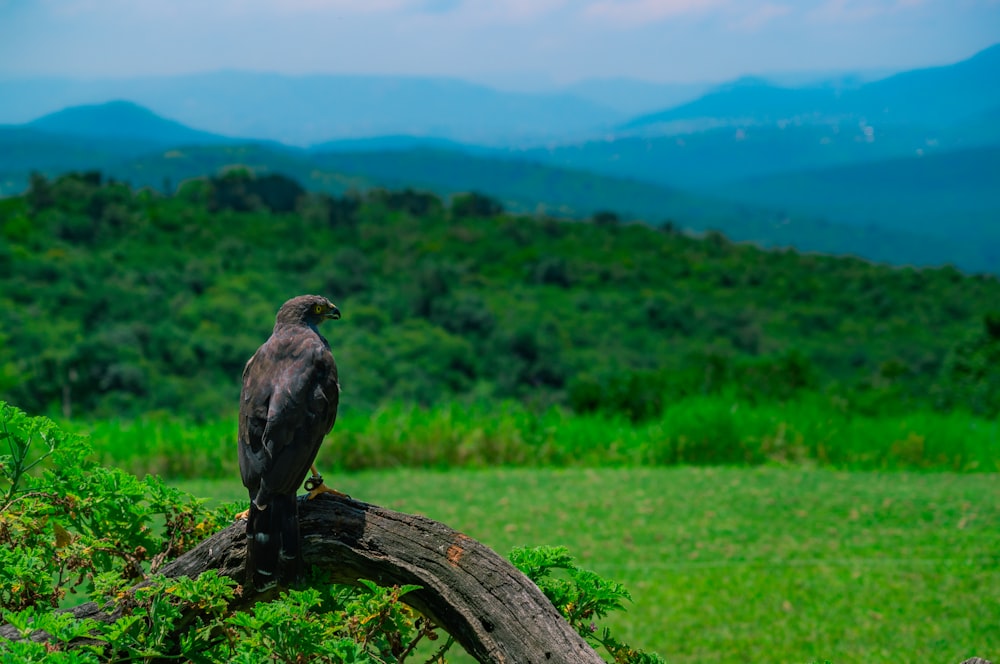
[
  {"x": 390, "y": 162},
  {"x": 632, "y": 96},
  {"x": 936, "y": 96},
  {"x": 393, "y": 143},
  {"x": 712, "y": 157},
  {"x": 752, "y": 128},
  {"x": 637, "y": 97},
  {"x": 24, "y": 149},
  {"x": 933, "y": 97},
  {"x": 747, "y": 102},
  {"x": 123, "y": 121},
  {"x": 949, "y": 194},
  {"x": 632, "y": 177},
  {"x": 93, "y": 137},
  {"x": 522, "y": 185},
  {"x": 982, "y": 129},
  {"x": 533, "y": 187},
  {"x": 311, "y": 110},
  {"x": 143, "y": 165},
  {"x": 305, "y": 110}
]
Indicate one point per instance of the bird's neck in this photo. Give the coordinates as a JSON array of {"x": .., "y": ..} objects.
[{"x": 315, "y": 328}]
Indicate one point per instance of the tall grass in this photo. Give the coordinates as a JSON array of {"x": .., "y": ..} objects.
[{"x": 702, "y": 430}]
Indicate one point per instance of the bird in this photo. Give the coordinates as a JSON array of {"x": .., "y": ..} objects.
[{"x": 288, "y": 404}]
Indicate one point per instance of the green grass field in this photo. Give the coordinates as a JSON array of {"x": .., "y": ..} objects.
[
  {"x": 699, "y": 430},
  {"x": 769, "y": 532},
  {"x": 743, "y": 564}
]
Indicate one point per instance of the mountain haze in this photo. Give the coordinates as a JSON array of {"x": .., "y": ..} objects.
[
  {"x": 749, "y": 101},
  {"x": 931, "y": 97},
  {"x": 632, "y": 96},
  {"x": 303, "y": 110},
  {"x": 88, "y": 137},
  {"x": 936, "y": 96},
  {"x": 949, "y": 194},
  {"x": 807, "y": 167},
  {"x": 712, "y": 157},
  {"x": 122, "y": 121},
  {"x": 313, "y": 109}
]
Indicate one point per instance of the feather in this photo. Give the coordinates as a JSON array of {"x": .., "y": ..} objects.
[{"x": 273, "y": 556}]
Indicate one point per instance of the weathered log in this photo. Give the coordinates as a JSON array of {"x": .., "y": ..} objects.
[{"x": 491, "y": 609}]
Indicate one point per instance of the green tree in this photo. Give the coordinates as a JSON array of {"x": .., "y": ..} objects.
[
  {"x": 970, "y": 377},
  {"x": 475, "y": 204}
]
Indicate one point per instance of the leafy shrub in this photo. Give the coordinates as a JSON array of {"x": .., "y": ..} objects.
[
  {"x": 605, "y": 218},
  {"x": 581, "y": 596},
  {"x": 278, "y": 193},
  {"x": 239, "y": 189},
  {"x": 415, "y": 203},
  {"x": 65, "y": 521},
  {"x": 970, "y": 377},
  {"x": 465, "y": 314},
  {"x": 639, "y": 395},
  {"x": 642, "y": 395},
  {"x": 777, "y": 378},
  {"x": 552, "y": 271},
  {"x": 475, "y": 204}
]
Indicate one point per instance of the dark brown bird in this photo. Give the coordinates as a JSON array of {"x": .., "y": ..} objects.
[{"x": 287, "y": 405}]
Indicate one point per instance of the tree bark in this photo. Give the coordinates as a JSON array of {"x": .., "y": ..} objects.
[{"x": 491, "y": 609}]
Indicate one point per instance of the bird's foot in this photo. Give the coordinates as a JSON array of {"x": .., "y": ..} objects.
[
  {"x": 242, "y": 516},
  {"x": 315, "y": 486}
]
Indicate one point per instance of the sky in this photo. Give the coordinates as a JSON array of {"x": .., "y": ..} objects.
[{"x": 508, "y": 43}]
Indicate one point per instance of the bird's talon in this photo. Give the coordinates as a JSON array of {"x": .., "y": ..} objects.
[
  {"x": 322, "y": 488},
  {"x": 242, "y": 516}
]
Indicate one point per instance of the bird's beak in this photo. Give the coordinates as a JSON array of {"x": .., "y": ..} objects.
[{"x": 333, "y": 312}]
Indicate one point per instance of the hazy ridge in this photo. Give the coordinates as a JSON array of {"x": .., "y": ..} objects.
[{"x": 817, "y": 167}]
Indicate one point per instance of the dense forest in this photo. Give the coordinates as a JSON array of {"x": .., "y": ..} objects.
[{"x": 117, "y": 302}]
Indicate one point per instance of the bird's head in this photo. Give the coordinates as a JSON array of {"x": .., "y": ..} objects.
[{"x": 308, "y": 310}]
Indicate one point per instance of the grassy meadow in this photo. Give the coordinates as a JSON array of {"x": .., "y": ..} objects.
[
  {"x": 745, "y": 533},
  {"x": 742, "y": 564}
]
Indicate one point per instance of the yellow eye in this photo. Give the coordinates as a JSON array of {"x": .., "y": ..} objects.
[{"x": 317, "y": 308}]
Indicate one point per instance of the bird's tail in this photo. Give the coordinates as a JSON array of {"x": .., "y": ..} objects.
[{"x": 273, "y": 556}]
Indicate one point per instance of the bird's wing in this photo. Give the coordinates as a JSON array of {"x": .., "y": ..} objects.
[
  {"x": 255, "y": 399},
  {"x": 290, "y": 405}
]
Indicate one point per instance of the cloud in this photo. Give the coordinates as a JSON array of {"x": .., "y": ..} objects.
[
  {"x": 511, "y": 11},
  {"x": 631, "y": 13},
  {"x": 293, "y": 7},
  {"x": 440, "y": 6},
  {"x": 237, "y": 8},
  {"x": 846, "y": 11},
  {"x": 759, "y": 16},
  {"x": 480, "y": 14}
]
